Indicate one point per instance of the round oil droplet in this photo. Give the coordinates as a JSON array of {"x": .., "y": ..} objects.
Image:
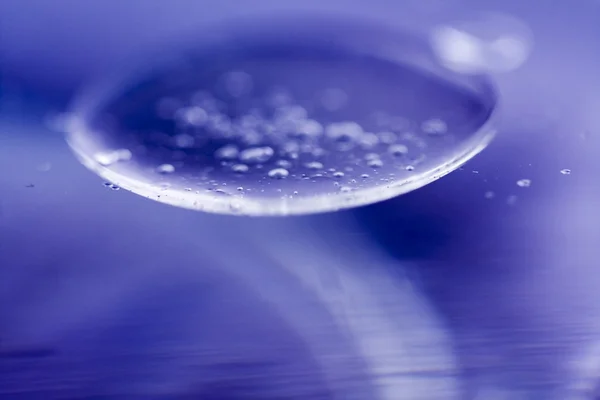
[
  {"x": 280, "y": 108},
  {"x": 278, "y": 173},
  {"x": 524, "y": 182},
  {"x": 165, "y": 169}
]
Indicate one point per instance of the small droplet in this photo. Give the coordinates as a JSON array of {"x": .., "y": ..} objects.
[
  {"x": 369, "y": 140},
  {"x": 309, "y": 128},
  {"x": 278, "y": 173},
  {"x": 434, "y": 126},
  {"x": 565, "y": 171},
  {"x": 314, "y": 165},
  {"x": 345, "y": 189},
  {"x": 291, "y": 113},
  {"x": 256, "y": 154},
  {"x": 365, "y": 176},
  {"x": 239, "y": 168},
  {"x": 184, "y": 140},
  {"x": 409, "y": 168},
  {"x": 344, "y": 131},
  {"x": 194, "y": 116},
  {"x": 524, "y": 182},
  {"x": 111, "y": 186},
  {"x": 398, "y": 150},
  {"x": 338, "y": 174},
  {"x": 375, "y": 163},
  {"x": 284, "y": 164},
  {"x": 228, "y": 152},
  {"x": 219, "y": 192},
  {"x": 165, "y": 169}
]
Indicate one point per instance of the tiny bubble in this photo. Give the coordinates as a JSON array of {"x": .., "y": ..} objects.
[{"x": 165, "y": 169}]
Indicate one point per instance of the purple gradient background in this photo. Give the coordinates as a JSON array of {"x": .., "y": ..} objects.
[{"x": 108, "y": 295}]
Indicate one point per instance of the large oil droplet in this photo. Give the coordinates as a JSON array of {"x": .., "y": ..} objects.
[{"x": 280, "y": 109}]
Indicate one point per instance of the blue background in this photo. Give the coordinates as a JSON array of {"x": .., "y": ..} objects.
[{"x": 438, "y": 294}]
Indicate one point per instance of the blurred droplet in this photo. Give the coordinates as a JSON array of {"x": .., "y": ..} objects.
[
  {"x": 165, "y": 169},
  {"x": 490, "y": 42},
  {"x": 45, "y": 167}
]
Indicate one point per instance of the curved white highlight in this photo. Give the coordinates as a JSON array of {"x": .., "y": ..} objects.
[{"x": 400, "y": 338}]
